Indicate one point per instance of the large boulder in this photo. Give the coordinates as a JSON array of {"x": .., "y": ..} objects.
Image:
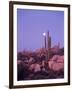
[
  {"x": 56, "y": 63},
  {"x": 35, "y": 67}
]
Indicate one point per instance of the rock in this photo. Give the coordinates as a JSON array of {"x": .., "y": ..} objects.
[
  {"x": 34, "y": 67},
  {"x": 56, "y": 63}
]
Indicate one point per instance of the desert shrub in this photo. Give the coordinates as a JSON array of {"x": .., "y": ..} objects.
[
  {"x": 22, "y": 71},
  {"x": 19, "y": 56}
]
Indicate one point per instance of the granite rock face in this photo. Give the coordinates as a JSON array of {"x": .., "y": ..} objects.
[{"x": 56, "y": 63}]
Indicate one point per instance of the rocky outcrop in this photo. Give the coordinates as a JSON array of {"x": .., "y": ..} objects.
[{"x": 56, "y": 63}]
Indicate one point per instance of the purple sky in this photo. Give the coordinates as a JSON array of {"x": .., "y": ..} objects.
[{"x": 32, "y": 23}]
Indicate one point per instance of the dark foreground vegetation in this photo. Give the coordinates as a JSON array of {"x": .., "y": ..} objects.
[{"x": 35, "y": 66}]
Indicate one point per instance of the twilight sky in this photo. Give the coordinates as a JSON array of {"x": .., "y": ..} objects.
[{"x": 31, "y": 24}]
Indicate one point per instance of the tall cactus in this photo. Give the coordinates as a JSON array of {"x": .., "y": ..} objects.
[{"x": 48, "y": 44}]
